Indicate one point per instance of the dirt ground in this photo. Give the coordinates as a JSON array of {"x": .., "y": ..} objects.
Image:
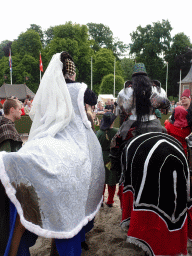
[{"x": 105, "y": 239}]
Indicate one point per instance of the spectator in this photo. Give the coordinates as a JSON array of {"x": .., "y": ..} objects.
[
  {"x": 186, "y": 99},
  {"x": 25, "y": 102},
  {"x": 109, "y": 107},
  {"x": 158, "y": 113},
  {"x": 178, "y": 103},
  {"x": 180, "y": 128},
  {"x": 172, "y": 106},
  {"x": 10, "y": 141},
  {"x": 89, "y": 112},
  {"x": 100, "y": 108},
  {"x": 22, "y": 109},
  {"x": 14, "y": 97},
  {"x": 122, "y": 113},
  {"x": 113, "y": 106},
  {"x": 127, "y": 84},
  {"x": 104, "y": 135},
  {"x": 27, "y": 108},
  {"x": 186, "y": 103},
  {"x": 1, "y": 110}
]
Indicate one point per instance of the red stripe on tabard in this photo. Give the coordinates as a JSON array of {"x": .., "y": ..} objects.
[
  {"x": 127, "y": 205},
  {"x": 149, "y": 227},
  {"x": 189, "y": 213}
]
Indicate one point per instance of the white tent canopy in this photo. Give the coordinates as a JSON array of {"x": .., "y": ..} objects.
[{"x": 105, "y": 97}]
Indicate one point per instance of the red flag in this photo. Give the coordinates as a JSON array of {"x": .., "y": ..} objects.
[
  {"x": 40, "y": 64},
  {"x": 10, "y": 60}
]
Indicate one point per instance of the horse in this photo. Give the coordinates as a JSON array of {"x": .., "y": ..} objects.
[{"x": 156, "y": 203}]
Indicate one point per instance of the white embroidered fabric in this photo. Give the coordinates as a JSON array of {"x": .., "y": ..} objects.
[{"x": 56, "y": 179}]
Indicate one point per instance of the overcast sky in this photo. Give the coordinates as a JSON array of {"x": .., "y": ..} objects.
[{"x": 121, "y": 16}]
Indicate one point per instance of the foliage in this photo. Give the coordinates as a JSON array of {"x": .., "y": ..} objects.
[
  {"x": 151, "y": 40},
  {"x": 163, "y": 118},
  {"x": 4, "y": 48},
  {"x": 171, "y": 98},
  {"x": 25, "y": 60},
  {"x": 4, "y": 70},
  {"x": 17, "y": 69},
  {"x": 27, "y": 66},
  {"x": 48, "y": 35},
  {"x": 178, "y": 57},
  {"x": 127, "y": 68},
  {"x": 103, "y": 64},
  {"x": 101, "y": 34},
  {"x": 73, "y": 31},
  {"x": 38, "y": 29},
  {"x": 27, "y": 43},
  {"x": 103, "y": 38},
  {"x": 83, "y": 64},
  {"x": 107, "y": 84},
  {"x": 73, "y": 38},
  {"x": 150, "y": 44},
  {"x": 60, "y": 45}
]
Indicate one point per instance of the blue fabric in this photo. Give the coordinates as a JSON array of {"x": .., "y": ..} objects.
[
  {"x": 72, "y": 246},
  {"x": 65, "y": 247},
  {"x": 12, "y": 219},
  {"x": 28, "y": 239},
  {"x": 69, "y": 247}
]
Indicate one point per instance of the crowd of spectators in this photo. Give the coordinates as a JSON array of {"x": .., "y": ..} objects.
[
  {"x": 101, "y": 108},
  {"x": 25, "y": 105}
]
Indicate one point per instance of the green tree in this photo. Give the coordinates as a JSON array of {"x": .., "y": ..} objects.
[
  {"x": 151, "y": 39},
  {"x": 75, "y": 32},
  {"x": 103, "y": 64},
  {"x": 101, "y": 36},
  {"x": 84, "y": 63},
  {"x": 150, "y": 44},
  {"x": 38, "y": 29},
  {"x": 4, "y": 48},
  {"x": 17, "y": 69},
  {"x": 30, "y": 68},
  {"x": 178, "y": 57},
  {"x": 62, "y": 44},
  {"x": 4, "y": 70},
  {"x": 107, "y": 84},
  {"x": 22, "y": 67},
  {"x": 49, "y": 34},
  {"x": 127, "y": 65},
  {"x": 73, "y": 38},
  {"x": 27, "y": 43}
]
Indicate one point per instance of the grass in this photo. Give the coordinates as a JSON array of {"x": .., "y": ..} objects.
[{"x": 164, "y": 117}]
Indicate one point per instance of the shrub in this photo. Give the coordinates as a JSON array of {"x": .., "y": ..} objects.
[{"x": 107, "y": 84}]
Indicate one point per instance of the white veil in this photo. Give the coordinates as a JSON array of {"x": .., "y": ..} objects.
[{"x": 52, "y": 108}]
